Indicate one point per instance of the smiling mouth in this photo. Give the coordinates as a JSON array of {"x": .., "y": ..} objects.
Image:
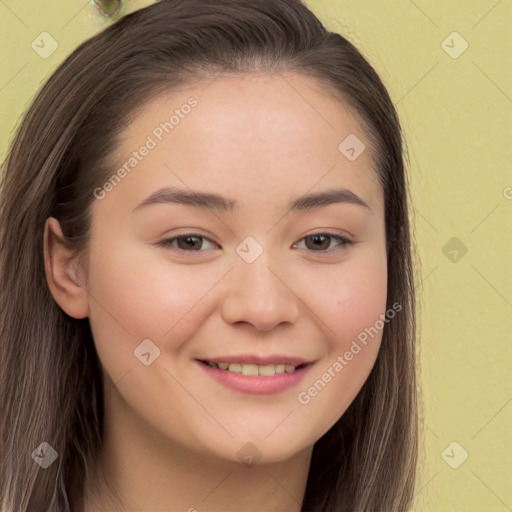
[{"x": 255, "y": 370}]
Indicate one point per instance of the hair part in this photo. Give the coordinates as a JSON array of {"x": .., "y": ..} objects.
[{"x": 50, "y": 379}]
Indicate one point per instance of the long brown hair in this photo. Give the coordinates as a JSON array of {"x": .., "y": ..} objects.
[{"x": 51, "y": 385}]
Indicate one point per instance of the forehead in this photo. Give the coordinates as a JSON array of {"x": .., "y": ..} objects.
[{"x": 251, "y": 136}]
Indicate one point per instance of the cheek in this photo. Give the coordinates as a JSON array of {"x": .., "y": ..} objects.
[
  {"x": 136, "y": 297},
  {"x": 347, "y": 298},
  {"x": 352, "y": 305},
  {"x": 359, "y": 304}
]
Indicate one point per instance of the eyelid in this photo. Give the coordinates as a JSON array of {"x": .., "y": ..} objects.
[
  {"x": 166, "y": 242},
  {"x": 345, "y": 242}
]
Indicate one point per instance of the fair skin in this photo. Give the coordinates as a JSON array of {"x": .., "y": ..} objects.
[{"x": 173, "y": 432}]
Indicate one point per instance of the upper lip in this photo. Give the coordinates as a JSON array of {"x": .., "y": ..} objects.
[{"x": 259, "y": 360}]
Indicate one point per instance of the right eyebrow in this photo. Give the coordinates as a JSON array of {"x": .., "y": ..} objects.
[{"x": 175, "y": 195}]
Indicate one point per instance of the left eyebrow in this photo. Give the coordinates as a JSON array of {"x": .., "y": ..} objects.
[
  {"x": 174, "y": 195},
  {"x": 319, "y": 199}
]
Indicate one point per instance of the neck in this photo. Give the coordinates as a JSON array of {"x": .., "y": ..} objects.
[{"x": 138, "y": 470}]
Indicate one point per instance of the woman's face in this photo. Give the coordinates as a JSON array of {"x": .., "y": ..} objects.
[{"x": 177, "y": 285}]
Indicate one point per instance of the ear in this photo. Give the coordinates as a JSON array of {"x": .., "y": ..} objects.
[{"x": 65, "y": 279}]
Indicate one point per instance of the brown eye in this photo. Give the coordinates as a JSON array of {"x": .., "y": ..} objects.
[
  {"x": 185, "y": 243},
  {"x": 321, "y": 242},
  {"x": 189, "y": 242}
]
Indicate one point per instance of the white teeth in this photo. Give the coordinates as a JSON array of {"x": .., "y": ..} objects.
[
  {"x": 280, "y": 368},
  {"x": 254, "y": 370},
  {"x": 251, "y": 370},
  {"x": 267, "y": 371},
  {"x": 235, "y": 368}
]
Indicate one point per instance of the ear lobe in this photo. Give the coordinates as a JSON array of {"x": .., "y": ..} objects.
[{"x": 67, "y": 288}]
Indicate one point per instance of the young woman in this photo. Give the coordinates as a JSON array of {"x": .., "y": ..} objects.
[{"x": 206, "y": 296}]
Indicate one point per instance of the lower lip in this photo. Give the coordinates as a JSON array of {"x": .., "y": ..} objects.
[{"x": 255, "y": 385}]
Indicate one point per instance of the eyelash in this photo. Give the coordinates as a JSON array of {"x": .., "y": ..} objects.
[{"x": 345, "y": 242}]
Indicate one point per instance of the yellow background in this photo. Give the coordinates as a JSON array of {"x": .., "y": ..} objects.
[{"x": 456, "y": 115}]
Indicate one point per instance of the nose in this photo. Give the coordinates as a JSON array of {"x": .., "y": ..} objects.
[{"x": 259, "y": 295}]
